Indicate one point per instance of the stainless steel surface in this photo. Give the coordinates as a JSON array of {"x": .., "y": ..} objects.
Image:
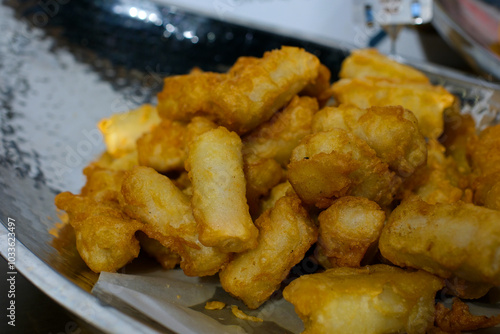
[{"x": 53, "y": 90}]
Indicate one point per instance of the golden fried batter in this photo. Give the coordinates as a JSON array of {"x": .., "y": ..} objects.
[
  {"x": 105, "y": 236},
  {"x": 459, "y": 318},
  {"x": 373, "y": 299},
  {"x": 243, "y": 98},
  {"x": 336, "y": 163},
  {"x": 166, "y": 212},
  {"x": 425, "y": 101},
  {"x": 164, "y": 256},
  {"x": 348, "y": 228},
  {"x": 391, "y": 131},
  {"x": 103, "y": 185},
  {"x": 370, "y": 63},
  {"x": 215, "y": 167},
  {"x": 285, "y": 234},
  {"x": 457, "y": 239}
]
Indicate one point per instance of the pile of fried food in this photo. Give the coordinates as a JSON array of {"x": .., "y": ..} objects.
[{"x": 378, "y": 176}]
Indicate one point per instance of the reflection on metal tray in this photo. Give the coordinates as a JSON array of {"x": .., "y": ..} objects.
[{"x": 65, "y": 67}]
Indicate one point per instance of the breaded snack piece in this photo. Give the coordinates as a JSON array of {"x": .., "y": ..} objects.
[
  {"x": 215, "y": 167},
  {"x": 123, "y": 163},
  {"x": 276, "y": 138},
  {"x": 105, "y": 236},
  {"x": 370, "y": 63},
  {"x": 331, "y": 164},
  {"x": 166, "y": 212},
  {"x": 103, "y": 185},
  {"x": 275, "y": 194},
  {"x": 457, "y": 239},
  {"x": 121, "y": 131},
  {"x": 243, "y": 98},
  {"x": 320, "y": 87},
  {"x": 459, "y": 129},
  {"x": 459, "y": 319},
  {"x": 487, "y": 190},
  {"x": 285, "y": 234},
  {"x": 373, "y": 299},
  {"x": 439, "y": 181},
  {"x": 425, "y": 101},
  {"x": 162, "y": 148},
  {"x": 391, "y": 131},
  {"x": 348, "y": 228},
  {"x": 164, "y": 256}
]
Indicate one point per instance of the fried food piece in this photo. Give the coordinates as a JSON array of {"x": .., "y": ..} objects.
[
  {"x": 457, "y": 239},
  {"x": 459, "y": 318},
  {"x": 370, "y": 63},
  {"x": 391, "y": 131},
  {"x": 439, "y": 181},
  {"x": 275, "y": 194},
  {"x": 276, "y": 138},
  {"x": 458, "y": 131},
  {"x": 164, "y": 256},
  {"x": 336, "y": 163},
  {"x": 103, "y": 185},
  {"x": 320, "y": 88},
  {"x": 166, "y": 212},
  {"x": 121, "y": 131},
  {"x": 215, "y": 167},
  {"x": 125, "y": 162},
  {"x": 243, "y": 316},
  {"x": 285, "y": 234},
  {"x": 214, "y": 305},
  {"x": 425, "y": 101},
  {"x": 243, "y": 98},
  {"x": 163, "y": 147},
  {"x": 348, "y": 228},
  {"x": 372, "y": 299},
  {"x": 105, "y": 236},
  {"x": 487, "y": 190}
]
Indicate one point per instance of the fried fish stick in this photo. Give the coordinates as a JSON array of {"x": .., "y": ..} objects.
[
  {"x": 457, "y": 239},
  {"x": 215, "y": 167},
  {"x": 370, "y": 63},
  {"x": 391, "y": 131},
  {"x": 105, "y": 236},
  {"x": 121, "y": 131},
  {"x": 331, "y": 164},
  {"x": 348, "y": 228},
  {"x": 276, "y": 138},
  {"x": 373, "y": 299},
  {"x": 166, "y": 212},
  {"x": 286, "y": 233},
  {"x": 244, "y": 98},
  {"x": 425, "y": 101}
]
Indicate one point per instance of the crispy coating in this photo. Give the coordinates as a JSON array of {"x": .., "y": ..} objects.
[
  {"x": 331, "y": 164},
  {"x": 370, "y": 63},
  {"x": 348, "y": 228},
  {"x": 459, "y": 318},
  {"x": 215, "y": 167},
  {"x": 487, "y": 191},
  {"x": 391, "y": 131},
  {"x": 103, "y": 185},
  {"x": 164, "y": 256},
  {"x": 425, "y": 101},
  {"x": 275, "y": 194},
  {"x": 243, "y": 98},
  {"x": 459, "y": 130},
  {"x": 439, "y": 181},
  {"x": 320, "y": 88},
  {"x": 373, "y": 299},
  {"x": 105, "y": 236},
  {"x": 285, "y": 234},
  {"x": 166, "y": 212},
  {"x": 276, "y": 138},
  {"x": 457, "y": 239},
  {"x": 121, "y": 131},
  {"x": 123, "y": 163}
]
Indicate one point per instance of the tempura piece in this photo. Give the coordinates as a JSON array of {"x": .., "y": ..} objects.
[
  {"x": 487, "y": 190},
  {"x": 373, "y": 299},
  {"x": 439, "y": 181},
  {"x": 370, "y": 63},
  {"x": 166, "y": 212},
  {"x": 163, "y": 147},
  {"x": 286, "y": 233},
  {"x": 425, "y": 101},
  {"x": 121, "y": 131},
  {"x": 457, "y": 239},
  {"x": 164, "y": 256},
  {"x": 105, "y": 236},
  {"x": 336, "y": 163},
  {"x": 123, "y": 163},
  {"x": 459, "y": 319},
  {"x": 320, "y": 87},
  {"x": 243, "y": 98},
  {"x": 276, "y": 138},
  {"x": 215, "y": 167},
  {"x": 103, "y": 185},
  {"x": 348, "y": 229},
  {"x": 391, "y": 131},
  {"x": 459, "y": 129},
  {"x": 275, "y": 194}
]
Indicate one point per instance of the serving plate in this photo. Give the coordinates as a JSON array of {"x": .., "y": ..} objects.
[{"x": 63, "y": 68}]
